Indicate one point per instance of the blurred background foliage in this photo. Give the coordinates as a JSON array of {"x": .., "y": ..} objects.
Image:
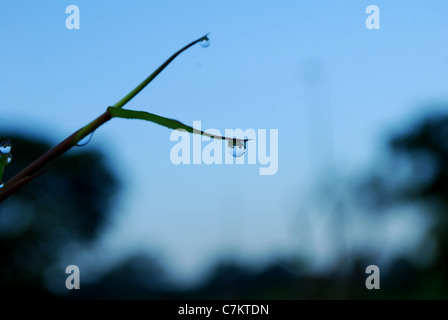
[{"x": 66, "y": 209}]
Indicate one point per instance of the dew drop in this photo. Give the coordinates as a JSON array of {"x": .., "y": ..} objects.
[
  {"x": 5, "y": 147},
  {"x": 236, "y": 148},
  {"x": 85, "y": 140},
  {"x": 205, "y": 43},
  {"x": 8, "y": 158},
  {"x": 1, "y": 185}
]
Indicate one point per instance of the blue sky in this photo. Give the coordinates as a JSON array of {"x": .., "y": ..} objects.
[{"x": 332, "y": 88}]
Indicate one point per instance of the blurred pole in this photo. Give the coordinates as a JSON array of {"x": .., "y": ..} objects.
[{"x": 322, "y": 153}]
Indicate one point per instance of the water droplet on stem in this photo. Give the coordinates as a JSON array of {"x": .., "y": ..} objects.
[{"x": 85, "y": 140}]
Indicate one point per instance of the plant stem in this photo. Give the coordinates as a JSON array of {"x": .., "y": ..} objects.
[
  {"x": 145, "y": 82},
  {"x": 35, "y": 168},
  {"x": 30, "y": 172}
]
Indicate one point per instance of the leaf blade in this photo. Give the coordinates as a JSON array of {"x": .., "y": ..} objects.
[{"x": 165, "y": 122}]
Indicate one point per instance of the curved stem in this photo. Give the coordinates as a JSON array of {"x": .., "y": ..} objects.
[{"x": 145, "y": 82}]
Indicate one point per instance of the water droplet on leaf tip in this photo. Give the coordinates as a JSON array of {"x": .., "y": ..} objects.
[
  {"x": 5, "y": 147},
  {"x": 236, "y": 148},
  {"x": 9, "y": 158},
  {"x": 205, "y": 43},
  {"x": 1, "y": 185}
]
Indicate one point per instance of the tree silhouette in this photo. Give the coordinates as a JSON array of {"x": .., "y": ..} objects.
[
  {"x": 416, "y": 173},
  {"x": 67, "y": 205}
]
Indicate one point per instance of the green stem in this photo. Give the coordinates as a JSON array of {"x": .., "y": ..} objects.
[
  {"x": 27, "y": 174},
  {"x": 133, "y": 93}
]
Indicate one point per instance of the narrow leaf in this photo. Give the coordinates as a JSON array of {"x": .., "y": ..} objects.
[{"x": 166, "y": 122}]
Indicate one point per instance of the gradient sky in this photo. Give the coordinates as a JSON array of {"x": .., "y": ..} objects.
[{"x": 310, "y": 69}]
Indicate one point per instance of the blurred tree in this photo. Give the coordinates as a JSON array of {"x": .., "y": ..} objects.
[
  {"x": 426, "y": 147},
  {"x": 66, "y": 206},
  {"x": 140, "y": 276},
  {"x": 416, "y": 173}
]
